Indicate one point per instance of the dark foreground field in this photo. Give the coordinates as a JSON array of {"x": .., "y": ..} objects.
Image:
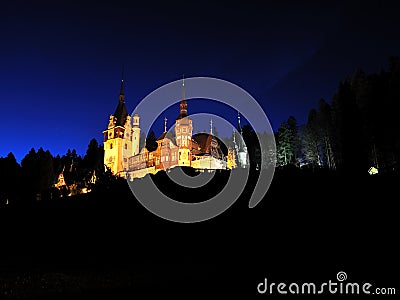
[{"x": 106, "y": 245}]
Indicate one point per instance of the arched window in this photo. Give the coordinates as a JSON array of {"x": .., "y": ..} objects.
[{"x": 111, "y": 145}]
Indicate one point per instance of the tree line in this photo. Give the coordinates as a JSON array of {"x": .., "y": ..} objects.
[
  {"x": 35, "y": 178},
  {"x": 358, "y": 130}
]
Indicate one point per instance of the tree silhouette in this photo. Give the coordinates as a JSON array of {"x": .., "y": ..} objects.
[
  {"x": 284, "y": 148},
  {"x": 294, "y": 140},
  {"x": 348, "y": 130},
  {"x": 37, "y": 173},
  {"x": 288, "y": 145},
  {"x": 93, "y": 159},
  {"x": 253, "y": 146},
  {"x": 310, "y": 140},
  {"x": 72, "y": 165},
  {"x": 151, "y": 141},
  {"x": 326, "y": 134},
  {"x": 10, "y": 173}
]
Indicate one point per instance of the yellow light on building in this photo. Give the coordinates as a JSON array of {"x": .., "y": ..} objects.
[{"x": 372, "y": 171}]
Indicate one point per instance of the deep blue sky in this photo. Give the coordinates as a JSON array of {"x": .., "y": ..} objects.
[{"x": 61, "y": 61}]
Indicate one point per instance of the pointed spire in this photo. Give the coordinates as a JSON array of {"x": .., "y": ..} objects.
[
  {"x": 121, "y": 91},
  {"x": 121, "y": 113},
  {"x": 183, "y": 103},
  {"x": 239, "y": 126},
  {"x": 211, "y": 127},
  {"x": 165, "y": 124},
  {"x": 183, "y": 87}
]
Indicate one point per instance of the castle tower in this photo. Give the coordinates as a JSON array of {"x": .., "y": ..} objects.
[
  {"x": 239, "y": 126},
  {"x": 183, "y": 132},
  {"x": 118, "y": 137},
  {"x": 135, "y": 134},
  {"x": 242, "y": 154}
]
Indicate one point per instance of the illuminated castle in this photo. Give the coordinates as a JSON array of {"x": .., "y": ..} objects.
[
  {"x": 121, "y": 138},
  {"x": 201, "y": 151}
]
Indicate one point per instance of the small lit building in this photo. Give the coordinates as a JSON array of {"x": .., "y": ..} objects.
[{"x": 372, "y": 171}]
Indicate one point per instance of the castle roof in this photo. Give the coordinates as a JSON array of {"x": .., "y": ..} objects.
[
  {"x": 162, "y": 136},
  {"x": 120, "y": 112},
  {"x": 204, "y": 141}
]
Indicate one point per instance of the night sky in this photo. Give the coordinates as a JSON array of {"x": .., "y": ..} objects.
[{"x": 60, "y": 68}]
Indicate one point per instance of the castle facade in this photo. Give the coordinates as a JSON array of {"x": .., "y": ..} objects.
[{"x": 201, "y": 151}]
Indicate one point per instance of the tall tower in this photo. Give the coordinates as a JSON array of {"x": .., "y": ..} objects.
[
  {"x": 135, "y": 134},
  {"x": 239, "y": 126},
  {"x": 242, "y": 155},
  {"x": 183, "y": 132},
  {"x": 118, "y": 137}
]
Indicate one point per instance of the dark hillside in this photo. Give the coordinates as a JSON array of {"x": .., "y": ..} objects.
[{"x": 310, "y": 225}]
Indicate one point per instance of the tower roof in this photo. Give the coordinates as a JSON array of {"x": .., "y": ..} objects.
[
  {"x": 204, "y": 141},
  {"x": 183, "y": 103},
  {"x": 121, "y": 91},
  {"x": 120, "y": 112},
  {"x": 239, "y": 126},
  {"x": 162, "y": 136}
]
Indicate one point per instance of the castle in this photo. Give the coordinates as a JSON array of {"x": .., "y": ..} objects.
[{"x": 201, "y": 151}]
